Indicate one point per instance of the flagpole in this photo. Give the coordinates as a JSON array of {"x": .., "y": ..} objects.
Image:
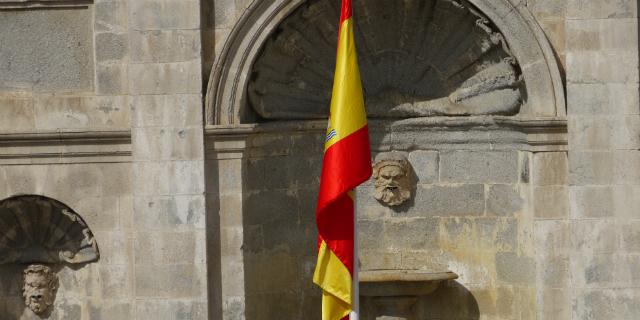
[{"x": 355, "y": 313}]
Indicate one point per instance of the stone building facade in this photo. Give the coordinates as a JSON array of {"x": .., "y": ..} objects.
[{"x": 179, "y": 143}]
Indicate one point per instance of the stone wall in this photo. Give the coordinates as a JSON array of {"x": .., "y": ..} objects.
[
  {"x": 604, "y": 161},
  {"x": 107, "y": 118}
]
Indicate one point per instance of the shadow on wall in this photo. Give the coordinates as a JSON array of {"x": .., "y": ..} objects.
[{"x": 451, "y": 301}]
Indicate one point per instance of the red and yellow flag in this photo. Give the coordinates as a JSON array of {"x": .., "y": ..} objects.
[{"x": 346, "y": 164}]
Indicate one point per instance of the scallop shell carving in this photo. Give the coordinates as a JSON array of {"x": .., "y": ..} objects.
[
  {"x": 37, "y": 229},
  {"x": 417, "y": 58}
]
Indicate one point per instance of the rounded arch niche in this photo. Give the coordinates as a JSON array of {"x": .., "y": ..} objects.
[
  {"x": 37, "y": 229},
  {"x": 507, "y": 38}
]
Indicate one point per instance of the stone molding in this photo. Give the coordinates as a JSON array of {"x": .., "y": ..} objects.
[
  {"x": 28, "y": 4},
  {"x": 226, "y": 98},
  {"x": 65, "y": 147},
  {"x": 452, "y": 133}
]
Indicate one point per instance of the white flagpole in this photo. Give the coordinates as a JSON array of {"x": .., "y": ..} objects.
[{"x": 356, "y": 265}]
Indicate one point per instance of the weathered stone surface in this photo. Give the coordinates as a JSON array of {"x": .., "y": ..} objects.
[
  {"x": 479, "y": 167},
  {"x": 165, "y": 78},
  {"x": 503, "y": 200},
  {"x": 164, "y": 14},
  {"x": 26, "y": 67},
  {"x": 515, "y": 269},
  {"x": 165, "y": 45},
  {"x": 437, "y": 200},
  {"x": 551, "y": 202},
  {"x": 170, "y": 281},
  {"x": 591, "y": 202},
  {"x": 81, "y": 112},
  {"x": 425, "y": 165},
  {"x": 111, "y": 46}
]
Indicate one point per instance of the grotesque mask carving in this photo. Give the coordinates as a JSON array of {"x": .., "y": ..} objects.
[
  {"x": 40, "y": 286},
  {"x": 392, "y": 179}
]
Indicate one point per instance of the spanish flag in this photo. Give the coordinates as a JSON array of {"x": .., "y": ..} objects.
[{"x": 346, "y": 164}]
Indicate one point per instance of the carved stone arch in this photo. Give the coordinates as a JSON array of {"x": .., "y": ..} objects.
[
  {"x": 227, "y": 100},
  {"x": 38, "y": 229}
]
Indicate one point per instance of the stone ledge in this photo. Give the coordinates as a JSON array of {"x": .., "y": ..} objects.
[
  {"x": 29, "y": 4},
  {"x": 65, "y": 146},
  {"x": 445, "y": 133}
]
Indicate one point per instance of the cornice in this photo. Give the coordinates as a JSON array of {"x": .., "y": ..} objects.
[
  {"x": 549, "y": 134},
  {"x": 65, "y": 146},
  {"x": 30, "y": 4}
]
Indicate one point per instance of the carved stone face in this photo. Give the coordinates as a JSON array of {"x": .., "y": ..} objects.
[
  {"x": 40, "y": 286},
  {"x": 392, "y": 183}
]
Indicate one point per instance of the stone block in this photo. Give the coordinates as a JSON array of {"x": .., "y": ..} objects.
[
  {"x": 495, "y": 234},
  {"x": 515, "y": 269},
  {"x": 448, "y": 200},
  {"x": 55, "y": 112},
  {"x": 116, "y": 179},
  {"x": 551, "y": 202},
  {"x": 555, "y": 30},
  {"x": 170, "y": 309},
  {"x": 369, "y": 232},
  {"x": 111, "y": 79},
  {"x": 597, "y": 67},
  {"x": 67, "y": 62},
  {"x": 164, "y": 14},
  {"x": 264, "y": 206},
  {"x": 125, "y": 213},
  {"x": 591, "y": 133},
  {"x": 164, "y": 178},
  {"x": 554, "y": 271},
  {"x": 631, "y": 237},
  {"x": 224, "y": 14},
  {"x": 17, "y": 114},
  {"x": 169, "y": 212},
  {"x": 158, "y": 143},
  {"x": 180, "y": 110},
  {"x": 587, "y": 9},
  {"x": 591, "y": 202},
  {"x": 595, "y": 304},
  {"x": 165, "y": 45},
  {"x": 602, "y": 99},
  {"x": 116, "y": 247},
  {"x": 116, "y": 282},
  {"x": 225, "y": 176},
  {"x": 627, "y": 166},
  {"x": 271, "y": 272},
  {"x": 479, "y": 167},
  {"x": 165, "y": 78},
  {"x": 425, "y": 165},
  {"x": 99, "y": 309},
  {"x": 410, "y": 234},
  {"x": 111, "y": 46},
  {"x": 552, "y": 238},
  {"x": 503, "y": 200},
  {"x": 170, "y": 281},
  {"x": 583, "y": 35},
  {"x": 618, "y": 35},
  {"x": 110, "y": 16},
  {"x": 627, "y": 132},
  {"x": 547, "y": 8},
  {"x": 165, "y": 247},
  {"x": 626, "y": 201},
  {"x": 373, "y": 260},
  {"x": 100, "y": 213},
  {"x": 593, "y": 236},
  {"x": 591, "y": 167},
  {"x": 554, "y": 304},
  {"x": 626, "y": 270}
]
